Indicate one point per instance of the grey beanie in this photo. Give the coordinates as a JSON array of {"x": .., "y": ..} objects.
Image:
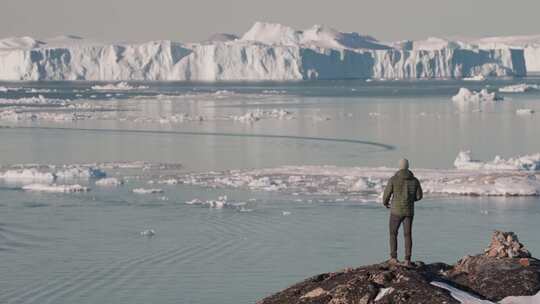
[{"x": 404, "y": 164}]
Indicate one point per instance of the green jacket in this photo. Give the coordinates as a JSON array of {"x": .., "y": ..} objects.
[{"x": 404, "y": 189}]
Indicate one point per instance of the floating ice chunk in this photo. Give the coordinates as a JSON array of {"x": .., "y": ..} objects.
[
  {"x": 148, "y": 232},
  {"x": 465, "y": 161},
  {"x": 220, "y": 203},
  {"x": 519, "y": 88},
  {"x": 285, "y": 213},
  {"x": 80, "y": 173},
  {"x": 147, "y": 191},
  {"x": 27, "y": 175},
  {"x": 259, "y": 114},
  {"x": 466, "y": 96},
  {"x": 475, "y": 78},
  {"x": 37, "y": 100},
  {"x": 524, "y": 111},
  {"x": 121, "y": 86},
  {"x": 55, "y": 188},
  {"x": 109, "y": 182}
]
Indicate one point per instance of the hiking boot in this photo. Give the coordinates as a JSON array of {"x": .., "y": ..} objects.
[
  {"x": 393, "y": 261},
  {"x": 408, "y": 264}
]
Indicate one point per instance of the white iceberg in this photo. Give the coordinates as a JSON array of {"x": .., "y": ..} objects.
[
  {"x": 465, "y": 96},
  {"x": 464, "y": 161},
  {"x": 265, "y": 52},
  {"x": 50, "y": 173}
]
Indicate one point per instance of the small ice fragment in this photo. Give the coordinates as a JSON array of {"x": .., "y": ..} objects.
[
  {"x": 148, "y": 232},
  {"x": 109, "y": 182},
  {"x": 147, "y": 191},
  {"x": 524, "y": 111},
  {"x": 286, "y": 213}
]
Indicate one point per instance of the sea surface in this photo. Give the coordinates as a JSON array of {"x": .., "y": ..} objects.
[{"x": 96, "y": 246}]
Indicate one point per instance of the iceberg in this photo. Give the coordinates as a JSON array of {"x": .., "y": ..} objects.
[
  {"x": 531, "y": 162},
  {"x": 465, "y": 95},
  {"x": 265, "y": 52}
]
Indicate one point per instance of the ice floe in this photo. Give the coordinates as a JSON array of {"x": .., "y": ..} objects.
[
  {"x": 220, "y": 203},
  {"x": 121, "y": 86},
  {"x": 519, "y": 88},
  {"x": 465, "y": 95},
  {"x": 479, "y": 77},
  {"x": 50, "y": 173},
  {"x": 259, "y": 114},
  {"x": 524, "y": 111},
  {"x": 148, "y": 232},
  {"x": 54, "y": 188},
  {"x": 518, "y": 176},
  {"x": 109, "y": 182},
  {"x": 147, "y": 191},
  {"x": 465, "y": 161}
]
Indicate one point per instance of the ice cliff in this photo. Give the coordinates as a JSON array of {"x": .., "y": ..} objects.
[{"x": 266, "y": 52}]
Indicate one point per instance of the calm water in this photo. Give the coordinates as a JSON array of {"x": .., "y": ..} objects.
[{"x": 87, "y": 247}]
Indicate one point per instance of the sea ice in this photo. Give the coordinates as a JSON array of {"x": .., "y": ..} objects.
[
  {"x": 147, "y": 191},
  {"x": 524, "y": 111},
  {"x": 519, "y": 88},
  {"x": 479, "y": 77},
  {"x": 148, "y": 232},
  {"x": 531, "y": 162},
  {"x": 54, "y": 188},
  {"x": 121, "y": 86},
  {"x": 467, "y": 96},
  {"x": 502, "y": 177},
  {"x": 109, "y": 182}
]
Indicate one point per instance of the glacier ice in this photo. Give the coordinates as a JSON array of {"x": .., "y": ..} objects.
[{"x": 265, "y": 52}]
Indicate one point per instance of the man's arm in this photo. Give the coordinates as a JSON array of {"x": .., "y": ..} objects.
[
  {"x": 388, "y": 193},
  {"x": 419, "y": 192}
]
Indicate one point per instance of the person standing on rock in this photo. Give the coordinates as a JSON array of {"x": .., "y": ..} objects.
[{"x": 403, "y": 189}]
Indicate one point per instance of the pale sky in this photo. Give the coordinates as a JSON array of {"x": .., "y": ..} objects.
[{"x": 195, "y": 20}]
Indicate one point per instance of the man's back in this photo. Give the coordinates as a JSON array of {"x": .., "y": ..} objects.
[{"x": 404, "y": 189}]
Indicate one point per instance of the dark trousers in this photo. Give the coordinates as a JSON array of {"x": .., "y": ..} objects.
[{"x": 395, "y": 222}]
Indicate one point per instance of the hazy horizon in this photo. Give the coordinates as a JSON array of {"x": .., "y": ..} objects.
[{"x": 167, "y": 19}]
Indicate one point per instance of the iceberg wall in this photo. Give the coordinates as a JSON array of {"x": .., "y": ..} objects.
[{"x": 266, "y": 52}]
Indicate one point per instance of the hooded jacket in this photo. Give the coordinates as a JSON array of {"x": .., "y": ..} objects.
[{"x": 404, "y": 189}]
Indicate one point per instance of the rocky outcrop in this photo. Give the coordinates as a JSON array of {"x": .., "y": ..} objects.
[{"x": 505, "y": 269}]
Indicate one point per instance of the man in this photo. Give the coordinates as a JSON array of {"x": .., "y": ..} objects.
[{"x": 404, "y": 189}]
